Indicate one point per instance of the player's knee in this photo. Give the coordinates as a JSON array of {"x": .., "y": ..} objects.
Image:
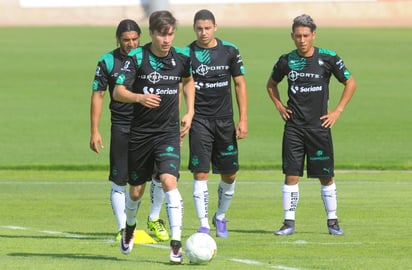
[{"x": 229, "y": 178}]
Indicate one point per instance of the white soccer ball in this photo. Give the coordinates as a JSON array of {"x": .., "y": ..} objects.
[{"x": 200, "y": 248}]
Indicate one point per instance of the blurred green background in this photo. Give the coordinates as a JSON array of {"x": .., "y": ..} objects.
[{"x": 47, "y": 72}]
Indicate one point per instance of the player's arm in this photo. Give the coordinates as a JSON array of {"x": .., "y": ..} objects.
[
  {"x": 242, "y": 103},
  {"x": 96, "y": 106},
  {"x": 188, "y": 86},
  {"x": 122, "y": 94},
  {"x": 273, "y": 91},
  {"x": 330, "y": 119},
  {"x": 180, "y": 94}
]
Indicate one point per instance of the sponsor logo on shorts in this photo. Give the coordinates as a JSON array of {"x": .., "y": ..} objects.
[
  {"x": 319, "y": 156},
  {"x": 169, "y": 152},
  {"x": 230, "y": 151}
]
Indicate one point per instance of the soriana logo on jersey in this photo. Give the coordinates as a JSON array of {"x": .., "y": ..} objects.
[{"x": 159, "y": 91}]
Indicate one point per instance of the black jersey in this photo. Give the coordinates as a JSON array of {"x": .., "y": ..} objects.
[
  {"x": 308, "y": 83},
  {"x": 149, "y": 74},
  {"x": 213, "y": 69},
  {"x": 107, "y": 71}
]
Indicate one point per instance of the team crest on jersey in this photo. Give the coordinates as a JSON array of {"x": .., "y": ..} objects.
[
  {"x": 239, "y": 59},
  {"x": 126, "y": 66},
  {"x": 98, "y": 69}
]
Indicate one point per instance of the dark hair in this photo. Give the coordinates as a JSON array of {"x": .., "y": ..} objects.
[
  {"x": 204, "y": 14},
  {"x": 161, "y": 21},
  {"x": 127, "y": 25},
  {"x": 305, "y": 21}
]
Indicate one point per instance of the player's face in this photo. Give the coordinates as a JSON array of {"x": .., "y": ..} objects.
[
  {"x": 303, "y": 38},
  {"x": 128, "y": 41},
  {"x": 205, "y": 32},
  {"x": 162, "y": 41}
]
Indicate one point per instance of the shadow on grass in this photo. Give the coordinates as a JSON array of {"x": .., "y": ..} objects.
[
  {"x": 250, "y": 231},
  {"x": 65, "y": 256},
  {"x": 85, "y": 257}
]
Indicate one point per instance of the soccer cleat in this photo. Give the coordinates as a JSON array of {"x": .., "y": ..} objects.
[
  {"x": 119, "y": 235},
  {"x": 203, "y": 230},
  {"x": 127, "y": 241},
  {"x": 159, "y": 229},
  {"x": 288, "y": 228},
  {"x": 221, "y": 230},
  {"x": 333, "y": 227},
  {"x": 176, "y": 256}
]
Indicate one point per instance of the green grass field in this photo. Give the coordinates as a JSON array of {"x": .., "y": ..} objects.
[
  {"x": 54, "y": 202},
  {"x": 63, "y": 220}
]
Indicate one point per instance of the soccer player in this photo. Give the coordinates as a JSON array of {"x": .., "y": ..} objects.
[
  {"x": 150, "y": 80},
  {"x": 108, "y": 67},
  {"x": 213, "y": 136},
  {"x": 308, "y": 122}
]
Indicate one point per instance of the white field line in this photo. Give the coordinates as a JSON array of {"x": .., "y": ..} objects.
[
  {"x": 68, "y": 235},
  {"x": 252, "y": 262},
  {"x": 303, "y": 242}
]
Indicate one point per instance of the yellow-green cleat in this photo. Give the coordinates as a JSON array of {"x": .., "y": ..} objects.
[
  {"x": 119, "y": 235},
  {"x": 159, "y": 229}
]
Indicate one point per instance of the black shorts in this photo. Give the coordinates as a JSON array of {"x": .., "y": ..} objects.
[
  {"x": 213, "y": 141},
  {"x": 150, "y": 151},
  {"x": 119, "y": 142},
  {"x": 315, "y": 144}
]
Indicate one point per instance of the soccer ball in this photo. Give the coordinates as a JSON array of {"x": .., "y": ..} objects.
[{"x": 200, "y": 248}]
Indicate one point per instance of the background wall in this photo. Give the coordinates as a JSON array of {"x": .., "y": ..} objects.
[{"x": 370, "y": 13}]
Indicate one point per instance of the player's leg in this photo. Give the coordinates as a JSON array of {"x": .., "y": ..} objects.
[
  {"x": 133, "y": 200},
  {"x": 200, "y": 141},
  {"x": 320, "y": 162},
  {"x": 290, "y": 199},
  {"x": 329, "y": 198},
  {"x": 226, "y": 192},
  {"x": 119, "y": 174},
  {"x": 201, "y": 200},
  {"x": 174, "y": 208},
  {"x": 154, "y": 222},
  {"x": 293, "y": 154},
  {"x": 167, "y": 157},
  {"x": 140, "y": 164},
  {"x": 225, "y": 161},
  {"x": 118, "y": 202}
]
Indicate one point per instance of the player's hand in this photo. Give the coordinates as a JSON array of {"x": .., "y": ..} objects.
[
  {"x": 150, "y": 100},
  {"x": 285, "y": 112},
  {"x": 330, "y": 119},
  {"x": 96, "y": 142},
  {"x": 186, "y": 123},
  {"x": 241, "y": 130}
]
